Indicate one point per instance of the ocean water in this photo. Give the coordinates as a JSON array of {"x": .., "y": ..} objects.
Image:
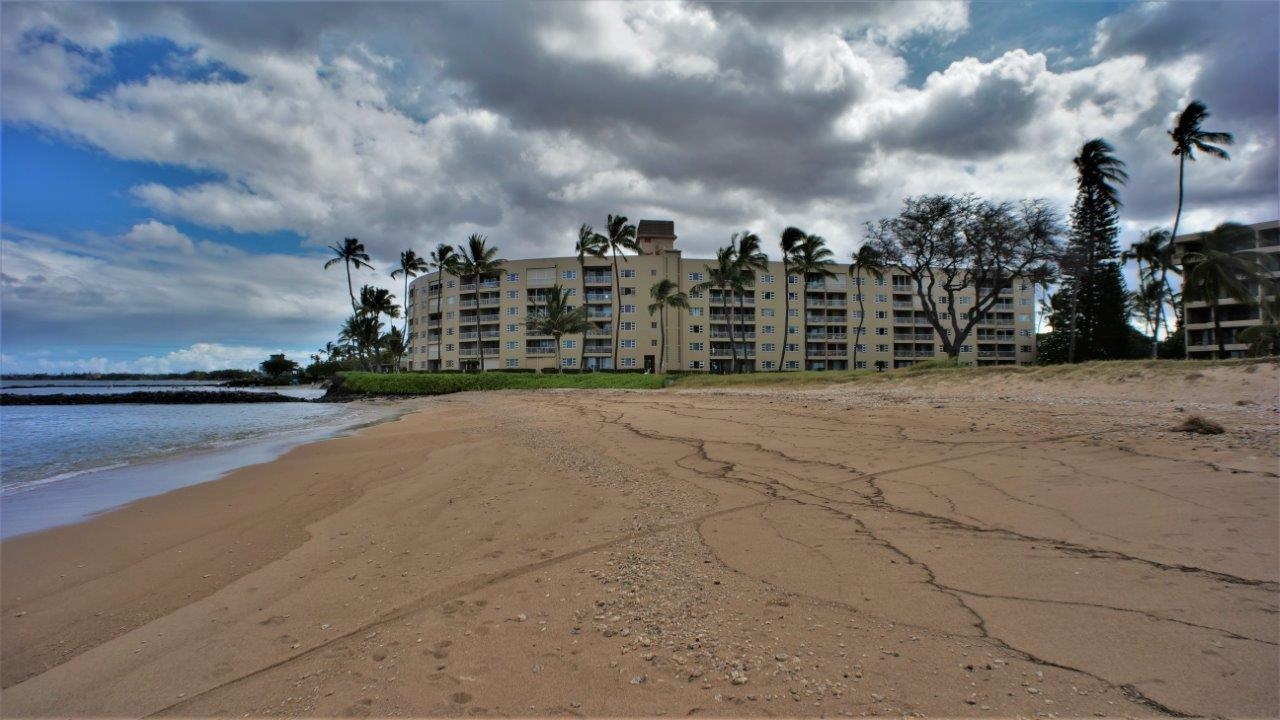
[{"x": 61, "y": 464}]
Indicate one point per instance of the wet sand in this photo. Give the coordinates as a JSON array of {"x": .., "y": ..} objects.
[{"x": 989, "y": 548}]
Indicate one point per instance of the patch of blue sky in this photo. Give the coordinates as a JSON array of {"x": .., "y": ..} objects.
[{"x": 136, "y": 61}]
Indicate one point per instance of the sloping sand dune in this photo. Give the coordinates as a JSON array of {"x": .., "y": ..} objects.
[{"x": 946, "y": 548}]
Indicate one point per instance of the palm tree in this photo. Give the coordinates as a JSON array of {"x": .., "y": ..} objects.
[
  {"x": 812, "y": 260},
  {"x": 1154, "y": 256},
  {"x": 411, "y": 266},
  {"x": 475, "y": 260},
  {"x": 594, "y": 244},
  {"x": 361, "y": 332},
  {"x": 379, "y": 301},
  {"x": 1098, "y": 169},
  {"x": 722, "y": 277},
  {"x": 1264, "y": 338},
  {"x": 1187, "y": 138},
  {"x": 444, "y": 261},
  {"x": 393, "y": 341},
  {"x": 750, "y": 259},
  {"x": 558, "y": 319},
  {"x": 620, "y": 236},
  {"x": 1219, "y": 269},
  {"x": 350, "y": 252},
  {"x": 791, "y": 239},
  {"x": 870, "y": 259},
  {"x": 665, "y": 294}
]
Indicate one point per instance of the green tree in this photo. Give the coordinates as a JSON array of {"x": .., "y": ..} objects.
[
  {"x": 619, "y": 237},
  {"x": 411, "y": 266},
  {"x": 1188, "y": 137},
  {"x": 665, "y": 294},
  {"x": 1219, "y": 270},
  {"x": 589, "y": 244},
  {"x": 1153, "y": 254},
  {"x": 361, "y": 332},
  {"x": 558, "y": 319},
  {"x": 790, "y": 242},
  {"x": 750, "y": 259},
  {"x": 812, "y": 262},
  {"x": 444, "y": 261},
  {"x": 870, "y": 259},
  {"x": 350, "y": 252},
  {"x": 377, "y": 301},
  {"x": 1264, "y": 338},
  {"x": 722, "y": 276},
  {"x": 277, "y": 365},
  {"x": 476, "y": 260}
]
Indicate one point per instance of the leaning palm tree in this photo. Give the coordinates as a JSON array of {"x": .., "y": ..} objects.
[
  {"x": 619, "y": 237},
  {"x": 723, "y": 276},
  {"x": 791, "y": 239},
  {"x": 350, "y": 252},
  {"x": 475, "y": 260},
  {"x": 1187, "y": 138},
  {"x": 444, "y": 261},
  {"x": 411, "y": 266},
  {"x": 558, "y": 319},
  {"x": 812, "y": 260},
  {"x": 593, "y": 244},
  {"x": 1218, "y": 271},
  {"x": 750, "y": 259},
  {"x": 665, "y": 294},
  {"x": 871, "y": 260}
]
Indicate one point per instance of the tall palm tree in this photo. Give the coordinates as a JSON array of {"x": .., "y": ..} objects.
[
  {"x": 444, "y": 261},
  {"x": 361, "y": 332},
  {"x": 377, "y": 301},
  {"x": 811, "y": 261},
  {"x": 558, "y": 319},
  {"x": 475, "y": 260},
  {"x": 791, "y": 239},
  {"x": 1187, "y": 138},
  {"x": 665, "y": 294},
  {"x": 1218, "y": 268},
  {"x": 350, "y": 252},
  {"x": 411, "y": 266},
  {"x": 1098, "y": 169},
  {"x": 1154, "y": 257},
  {"x": 750, "y": 259},
  {"x": 593, "y": 244},
  {"x": 723, "y": 276},
  {"x": 619, "y": 237},
  {"x": 871, "y": 260}
]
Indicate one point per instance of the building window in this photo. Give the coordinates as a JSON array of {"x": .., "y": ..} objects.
[
  {"x": 653, "y": 343},
  {"x": 767, "y": 347},
  {"x": 792, "y": 279},
  {"x": 695, "y": 277},
  {"x": 628, "y": 343},
  {"x": 695, "y": 329},
  {"x": 882, "y": 315},
  {"x": 1024, "y": 301},
  {"x": 569, "y": 275},
  {"x": 448, "y": 363},
  {"x": 572, "y": 291},
  {"x": 793, "y": 296},
  {"x": 568, "y": 344},
  {"x": 882, "y": 298},
  {"x": 793, "y": 312},
  {"x": 448, "y": 347},
  {"x": 628, "y": 291},
  {"x": 628, "y": 362},
  {"x": 695, "y": 365},
  {"x": 449, "y": 284},
  {"x": 966, "y": 348},
  {"x": 882, "y": 331},
  {"x": 793, "y": 329},
  {"x": 859, "y": 331},
  {"x": 855, "y": 314},
  {"x": 767, "y": 329},
  {"x": 653, "y": 272},
  {"x": 513, "y": 277},
  {"x": 964, "y": 300},
  {"x": 882, "y": 348},
  {"x": 856, "y": 297},
  {"x": 513, "y": 311},
  {"x": 695, "y": 312},
  {"x": 627, "y": 273},
  {"x": 766, "y": 279},
  {"x": 513, "y": 362},
  {"x": 695, "y": 347},
  {"x": 793, "y": 364},
  {"x": 860, "y": 347},
  {"x": 513, "y": 328},
  {"x": 628, "y": 309},
  {"x": 568, "y": 362},
  {"x": 860, "y": 365},
  {"x": 768, "y": 365},
  {"x": 628, "y": 325},
  {"x": 448, "y": 315},
  {"x": 1024, "y": 332},
  {"x": 766, "y": 312},
  {"x": 513, "y": 294},
  {"x": 513, "y": 344},
  {"x": 768, "y": 295},
  {"x": 448, "y": 331},
  {"x": 791, "y": 347},
  {"x": 1024, "y": 318},
  {"x": 857, "y": 282},
  {"x": 1024, "y": 348},
  {"x": 879, "y": 282}
]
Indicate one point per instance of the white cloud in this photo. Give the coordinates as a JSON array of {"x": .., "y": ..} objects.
[{"x": 155, "y": 234}]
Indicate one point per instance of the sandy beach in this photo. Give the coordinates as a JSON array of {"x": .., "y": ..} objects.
[{"x": 994, "y": 547}]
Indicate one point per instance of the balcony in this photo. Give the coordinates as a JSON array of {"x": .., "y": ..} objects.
[
  {"x": 601, "y": 313},
  {"x": 903, "y": 288},
  {"x": 597, "y": 279},
  {"x": 718, "y": 352},
  {"x": 598, "y": 349},
  {"x": 599, "y": 297},
  {"x": 997, "y": 354},
  {"x": 909, "y": 337},
  {"x": 467, "y": 303},
  {"x": 600, "y": 332},
  {"x": 490, "y": 302},
  {"x": 724, "y": 334},
  {"x": 825, "y": 319},
  {"x": 482, "y": 319},
  {"x": 827, "y": 302},
  {"x": 903, "y": 305},
  {"x": 737, "y": 318}
]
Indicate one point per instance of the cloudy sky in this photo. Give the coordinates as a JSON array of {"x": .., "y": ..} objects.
[{"x": 171, "y": 174}]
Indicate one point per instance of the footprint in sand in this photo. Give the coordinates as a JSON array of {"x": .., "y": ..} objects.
[{"x": 461, "y": 698}]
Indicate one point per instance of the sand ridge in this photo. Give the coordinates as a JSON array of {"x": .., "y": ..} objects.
[{"x": 933, "y": 550}]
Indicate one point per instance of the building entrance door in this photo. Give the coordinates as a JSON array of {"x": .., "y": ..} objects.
[{"x": 649, "y": 364}]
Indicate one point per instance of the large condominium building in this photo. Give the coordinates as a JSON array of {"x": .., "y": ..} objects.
[
  {"x": 1234, "y": 315},
  {"x": 814, "y": 320}
]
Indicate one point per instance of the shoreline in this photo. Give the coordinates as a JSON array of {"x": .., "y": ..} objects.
[
  {"x": 942, "y": 550},
  {"x": 77, "y": 495}
]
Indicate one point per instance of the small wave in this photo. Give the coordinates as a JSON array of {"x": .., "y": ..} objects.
[{"x": 25, "y": 485}]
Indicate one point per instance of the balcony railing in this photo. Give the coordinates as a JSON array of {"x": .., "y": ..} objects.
[
  {"x": 599, "y": 312},
  {"x": 599, "y": 297},
  {"x": 597, "y": 279},
  {"x": 830, "y": 337},
  {"x": 903, "y": 305},
  {"x": 605, "y": 349},
  {"x": 997, "y": 353},
  {"x": 490, "y": 302},
  {"x": 726, "y": 352},
  {"x": 828, "y": 302},
  {"x": 600, "y": 332},
  {"x": 724, "y": 334},
  {"x": 483, "y": 319},
  {"x": 540, "y": 350}
]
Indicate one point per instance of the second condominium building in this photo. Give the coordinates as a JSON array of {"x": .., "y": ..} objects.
[{"x": 813, "y": 320}]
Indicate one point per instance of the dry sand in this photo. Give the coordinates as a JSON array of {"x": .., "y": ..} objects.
[{"x": 997, "y": 548}]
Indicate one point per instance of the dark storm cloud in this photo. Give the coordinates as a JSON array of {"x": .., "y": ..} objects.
[{"x": 968, "y": 124}]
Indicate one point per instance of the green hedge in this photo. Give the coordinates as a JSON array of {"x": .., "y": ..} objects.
[{"x": 420, "y": 383}]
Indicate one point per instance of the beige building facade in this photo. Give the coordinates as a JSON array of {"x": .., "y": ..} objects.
[
  {"x": 1235, "y": 316},
  {"x": 790, "y": 323}
]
